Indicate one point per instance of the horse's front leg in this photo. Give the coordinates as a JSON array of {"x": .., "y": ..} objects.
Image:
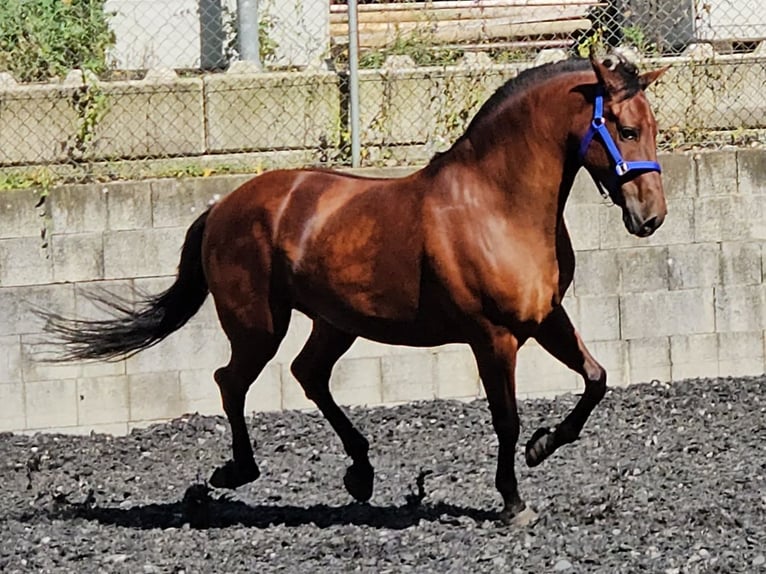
[
  {"x": 557, "y": 335},
  {"x": 496, "y": 359}
]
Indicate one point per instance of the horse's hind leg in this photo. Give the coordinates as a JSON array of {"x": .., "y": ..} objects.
[
  {"x": 251, "y": 350},
  {"x": 312, "y": 367},
  {"x": 557, "y": 335}
]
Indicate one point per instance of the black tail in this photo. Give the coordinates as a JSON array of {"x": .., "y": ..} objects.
[{"x": 134, "y": 328}]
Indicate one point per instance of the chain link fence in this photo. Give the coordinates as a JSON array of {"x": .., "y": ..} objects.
[{"x": 123, "y": 87}]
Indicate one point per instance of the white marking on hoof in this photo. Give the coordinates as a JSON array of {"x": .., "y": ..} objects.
[{"x": 524, "y": 518}]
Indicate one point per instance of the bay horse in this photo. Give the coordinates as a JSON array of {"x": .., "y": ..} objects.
[{"x": 470, "y": 249}]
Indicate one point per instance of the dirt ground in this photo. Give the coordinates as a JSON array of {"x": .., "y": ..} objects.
[{"x": 665, "y": 479}]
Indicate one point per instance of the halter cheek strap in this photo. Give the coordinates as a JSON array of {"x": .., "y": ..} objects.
[{"x": 623, "y": 169}]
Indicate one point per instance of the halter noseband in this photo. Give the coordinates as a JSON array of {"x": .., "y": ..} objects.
[{"x": 623, "y": 169}]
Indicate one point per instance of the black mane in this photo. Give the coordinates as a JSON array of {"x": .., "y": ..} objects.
[{"x": 533, "y": 76}]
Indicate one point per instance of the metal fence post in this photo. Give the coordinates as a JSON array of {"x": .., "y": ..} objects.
[
  {"x": 353, "y": 81},
  {"x": 249, "y": 45}
]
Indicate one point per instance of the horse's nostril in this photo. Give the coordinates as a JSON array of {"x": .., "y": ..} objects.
[{"x": 649, "y": 225}]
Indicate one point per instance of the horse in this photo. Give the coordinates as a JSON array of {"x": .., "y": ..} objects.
[{"x": 471, "y": 249}]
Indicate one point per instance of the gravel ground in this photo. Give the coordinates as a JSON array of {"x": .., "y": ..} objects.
[{"x": 665, "y": 479}]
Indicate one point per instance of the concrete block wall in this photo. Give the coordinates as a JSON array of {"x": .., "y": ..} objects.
[
  {"x": 289, "y": 118},
  {"x": 687, "y": 302}
]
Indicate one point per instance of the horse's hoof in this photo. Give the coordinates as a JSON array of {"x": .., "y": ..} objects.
[
  {"x": 524, "y": 518},
  {"x": 358, "y": 481},
  {"x": 231, "y": 475},
  {"x": 539, "y": 447},
  {"x": 518, "y": 515}
]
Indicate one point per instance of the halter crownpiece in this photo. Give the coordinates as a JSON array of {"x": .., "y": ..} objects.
[{"x": 623, "y": 169}]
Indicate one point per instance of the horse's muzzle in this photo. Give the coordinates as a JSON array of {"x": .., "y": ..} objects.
[{"x": 641, "y": 227}]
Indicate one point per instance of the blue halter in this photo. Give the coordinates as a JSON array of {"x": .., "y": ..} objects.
[{"x": 623, "y": 169}]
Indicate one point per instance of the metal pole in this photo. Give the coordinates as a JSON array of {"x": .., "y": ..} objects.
[
  {"x": 353, "y": 81},
  {"x": 247, "y": 17}
]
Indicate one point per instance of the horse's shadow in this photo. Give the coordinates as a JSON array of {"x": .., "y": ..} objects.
[{"x": 202, "y": 511}]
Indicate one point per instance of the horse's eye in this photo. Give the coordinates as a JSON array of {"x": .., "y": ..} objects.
[{"x": 629, "y": 134}]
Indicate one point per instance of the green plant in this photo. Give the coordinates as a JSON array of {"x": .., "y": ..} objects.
[
  {"x": 417, "y": 45},
  {"x": 42, "y": 39},
  {"x": 91, "y": 104},
  {"x": 636, "y": 37}
]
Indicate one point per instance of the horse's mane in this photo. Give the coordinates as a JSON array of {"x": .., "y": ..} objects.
[{"x": 531, "y": 77}]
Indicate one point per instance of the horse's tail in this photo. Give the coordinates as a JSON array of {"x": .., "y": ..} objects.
[{"x": 140, "y": 325}]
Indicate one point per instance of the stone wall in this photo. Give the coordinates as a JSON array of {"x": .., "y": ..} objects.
[{"x": 687, "y": 302}]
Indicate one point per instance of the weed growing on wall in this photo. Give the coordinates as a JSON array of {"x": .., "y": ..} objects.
[{"x": 44, "y": 39}]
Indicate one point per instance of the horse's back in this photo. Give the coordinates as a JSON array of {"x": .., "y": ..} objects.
[{"x": 349, "y": 247}]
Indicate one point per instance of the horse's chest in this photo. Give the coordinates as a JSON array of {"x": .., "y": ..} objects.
[{"x": 521, "y": 281}]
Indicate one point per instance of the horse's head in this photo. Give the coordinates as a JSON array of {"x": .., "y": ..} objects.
[{"x": 623, "y": 157}]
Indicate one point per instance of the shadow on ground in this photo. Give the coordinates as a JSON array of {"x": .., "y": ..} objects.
[{"x": 202, "y": 508}]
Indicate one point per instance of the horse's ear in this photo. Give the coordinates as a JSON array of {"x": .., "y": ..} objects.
[
  {"x": 606, "y": 74},
  {"x": 648, "y": 78}
]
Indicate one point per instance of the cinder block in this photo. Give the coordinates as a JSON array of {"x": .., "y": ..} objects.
[
  {"x": 199, "y": 392},
  {"x": 694, "y": 265},
  {"x": 150, "y": 118},
  {"x": 408, "y": 377},
  {"x": 12, "y": 407},
  {"x": 716, "y": 173},
  {"x": 739, "y": 308},
  {"x": 155, "y": 396},
  {"x": 613, "y": 356},
  {"x": 751, "y": 172},
  {"x": 679, "y": 174},
  {"x": 537, "y": 371},
  {"x": 180, "y": 201},
  {"x": 17, "y": 304},
  {"x": 129, "y": 205},
  {"x": 194, "y": 346},
  {"x": 649, "y": 360},
  {"x": 159, "y": 253},
  {"x": 38, "y": 122},
  {"x": 678, "y": 226},
  {"x": 19, "y": 214},
  {"x": 599, "y": 318},
  {"x": 723, "y": 218},
  {"x": 271, "y": 110},
  {"x": 457, "y": 375},
  {"x": 679, "y": 223},
  {"x": 364, "y": 348},
  {"x": 643, "y": 269},
  {"x": 78, "y": 208},
  {"x": 102, "y": 400},
  {"x": 694, "y": 356},
  {"x": 34, "y": 365},
  {"x": 661, "y": 313},
  {"x": 77, "y": 257},
  {"x": 582, "y": 223},
  {"x": 399, "y": 107},
  {"x": 84, "y": 305},
  {"x": 10, "y": 359},
  {"x": 297, "y": 335},
  {"x": 741, "y": 263},
  {"x": 293, "y": 396},
  {"x": 585, "y": 192},
  {"x": 741, "y": 354},
  {"x": 357, "y": 382},
  {"x": 51, "y": 404},
  {"x": 24, "y": 261},
  {"x": 267, "y": 393},
  {"x": 597, "y": 273}
]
